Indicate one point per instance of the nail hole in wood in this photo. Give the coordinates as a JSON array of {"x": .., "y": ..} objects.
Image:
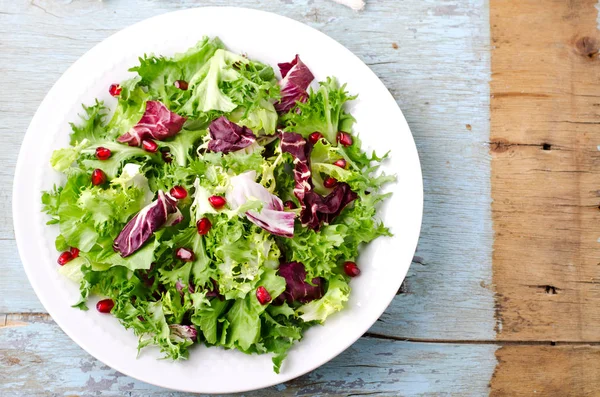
[
  {"x": 546, "y": 146},
  {"x": 552, "y": 343},
  {"x": 551, "y": 290}
]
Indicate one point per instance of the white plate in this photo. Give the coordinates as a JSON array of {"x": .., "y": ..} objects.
[{"x": 270, "y": 39}]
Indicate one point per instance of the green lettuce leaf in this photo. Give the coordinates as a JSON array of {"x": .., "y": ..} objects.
[
  {"x": 62, "y": 159},
  {"x": 92, "y": 127},
  {"x": 333, "y": 301},
  {"x": 323, "y": 112}
]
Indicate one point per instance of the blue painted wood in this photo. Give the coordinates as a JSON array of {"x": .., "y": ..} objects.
[
  {"x": 433, "y": 55},
  {"x": 438, "y": 73},
  {"x": 35, "y": 356}
]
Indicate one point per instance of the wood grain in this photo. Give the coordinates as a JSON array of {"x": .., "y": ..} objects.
[
  {"x": 547, "y": 371},
  {"x": 433, "y": 57},
  {"x": 545, "y": 129},
  {"x": 31, "y": 364}
]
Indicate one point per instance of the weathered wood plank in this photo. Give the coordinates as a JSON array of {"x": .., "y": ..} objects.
[
  {"x": 35, "y": 356},
  {"x": 545, "y": 127},
  {"x": 16, "y": 294},
  {"x": 547, "y": 371},
  {"x": 432, "y": 55}
]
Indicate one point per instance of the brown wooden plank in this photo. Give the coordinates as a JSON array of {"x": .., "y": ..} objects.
[
  {"x": 545, "y": 129},
  {"x": 547, "y": 371}
]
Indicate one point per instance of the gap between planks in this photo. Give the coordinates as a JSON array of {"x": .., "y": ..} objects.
[{"x": 8, "y": 320}]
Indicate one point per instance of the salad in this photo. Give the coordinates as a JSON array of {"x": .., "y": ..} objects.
[{"x": 216, "y": 204}]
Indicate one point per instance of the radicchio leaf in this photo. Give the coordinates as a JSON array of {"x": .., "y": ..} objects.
[
  {"x": 139, "y": 229},
  {"x": 296, "y": 287},
  {"x": 296, "y": 78},
  {"x": 227, "y": 136},
  {"x": 214, "y": 291},
  {"x": 316, "y": 209},
  {"x": 272, "y": 216},
  {"x": 299, "y": 148},
  {"x": 158, "y": 123},
  {"x": 183, "y": 332}
]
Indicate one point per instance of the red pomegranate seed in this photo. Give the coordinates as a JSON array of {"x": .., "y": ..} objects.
[
  {"x": 114, "y": 89},
  {"x": 344, "y": 138},
  {"x": 105, "y": 305},
  {"x": 65, "y": 258},
  {"x": 166, "y": 155},
  {"x": 263, "y": 295},
  {"x": 178, "y": 192},
  {"x": 351, "y": 269},
  {"x": 103, "y": 153},
  {"x": 340, "y": 163},
  {"x": 290, "y": 205},
  {"x": 329, "y": 182},
  {"x": 217, "y": 202},
  {"x": 98, "y": 177},
  {"x": 74, "y": 252},
  {"x": 149, "y": 146},
  {"x": 181, "y": 84},
  {"x": 203, "y": 226},
  {"x": 314, "y": 137},
  {"x": 184, "y": 254}
]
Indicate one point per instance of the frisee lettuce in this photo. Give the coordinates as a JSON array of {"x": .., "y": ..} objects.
[{"x": 211, "y": 298}]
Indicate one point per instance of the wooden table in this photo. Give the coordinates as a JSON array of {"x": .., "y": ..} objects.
[{"x": 502, "y": 99}]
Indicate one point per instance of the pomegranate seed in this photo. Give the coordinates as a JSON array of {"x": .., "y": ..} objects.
[
  {"x": 203, "y": 226},
  {"x": 181, "y": 84},
  {"x": 351, "y": 269},
  {"x": 263, "y": 295},
  {"x": 105, "y": 305},
  {"x": 74, "y": 252},
  {"x": 340, "y": 163},
  {"x": 184, "y": 254},
  {"x": 329, "y": 182},
  {"x": 98, "y": 177},
  {"x": 217, "y": 202},
  {"x": 103, "y": 153},
  {"x": 178, "y": 192},
  {"x": 149, "y": 146},
  {"x": 314, "y": 137},
  {"x": 344, "y": 138},
  {"x": 290, "y": 205},
  {"x": 166, "y": 155},
  {"x": 65, "y": 258},
  {"x": 114, "y": 90}
]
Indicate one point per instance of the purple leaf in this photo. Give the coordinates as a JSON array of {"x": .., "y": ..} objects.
[
  {"x": 183, "y": 332},
  {"x": 272, "y": 216},
  {"x": 296, "y": 78},
  {"x": 214, "y": 292},
  {"x": 227, "y": 136},
  {"x": 300, "y": 149},
  {"x": 157, "y": 123},
  {"x": 139, "y": 229},
  {"x": 316, "y": 209},
  {"x": 296, "y": 287}
]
